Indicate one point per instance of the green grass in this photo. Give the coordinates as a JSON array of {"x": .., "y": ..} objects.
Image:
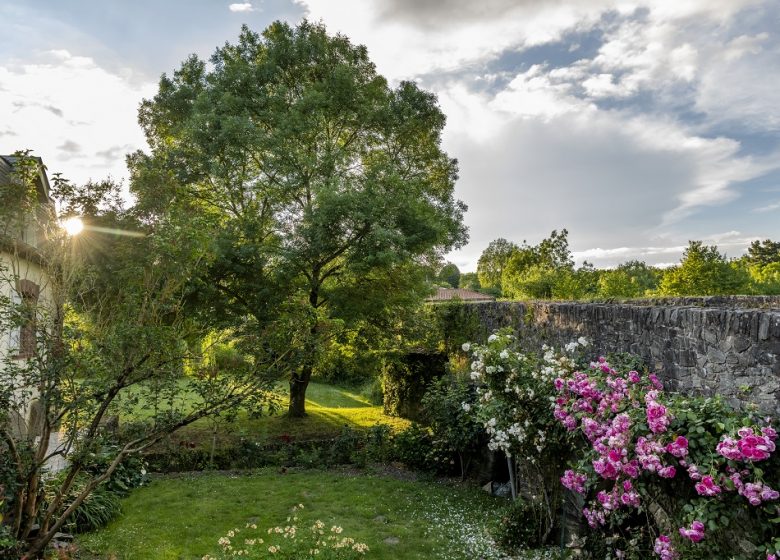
[
  {"x": 182, "y": 518},
  {"x": 329, "y": 409}
]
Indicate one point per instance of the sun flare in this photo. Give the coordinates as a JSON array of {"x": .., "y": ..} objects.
[{"x": 73, "y": 226}]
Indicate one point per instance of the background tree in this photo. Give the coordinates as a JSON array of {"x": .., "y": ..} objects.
[
  {"x": 763, "y": 252},
  {"x": 574, "y": 284},
  {"x": 702, "y": 271},
  {"x": 450, "y": 274},
  {"x": 533, "y": 271},
  {"x": 631, "y": 279},
  {"x": 492, "y": 262},
  {"x": 470, "y": 281},
  {"x": 765, "y": 280},
  {"x": 762, "y": 262},
  {"x": 336, "y": 183}
]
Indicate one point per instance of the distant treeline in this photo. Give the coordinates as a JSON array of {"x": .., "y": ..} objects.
[{"x": 547, "y": 271}]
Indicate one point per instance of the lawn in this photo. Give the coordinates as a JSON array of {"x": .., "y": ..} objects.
[
  {"x": 329, "y": 409},
  {"x": 183, "y": 517}
]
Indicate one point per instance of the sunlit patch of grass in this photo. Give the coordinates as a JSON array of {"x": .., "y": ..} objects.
[{"x": 329, "y": 408}]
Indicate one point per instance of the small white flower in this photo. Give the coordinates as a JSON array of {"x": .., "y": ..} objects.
[
  {"x": 504, "y": 354},
  {"x": 583, "y": 341},
  {"x": 492, "y": 338},
  {"x": 466, "y": 406},
  {"x": 466, "y": 347}
]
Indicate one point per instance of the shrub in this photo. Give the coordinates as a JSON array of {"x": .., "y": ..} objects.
[
  {"x": 100, "y": 507},
  {"x": 446, "y": 406},
  {"x": 698, "y": 474},
  {"x": 378, "y": 442},
  {"x": 97, "y": 509},
  {"x": 416, "y": 448},
  {"x": 7, "y": 542},
  {"x": 524, "y": 524},
  {"x": 345, "y": 447},
  {"x": 405, "y": 379},
  {"x": 131, "y": 473}
]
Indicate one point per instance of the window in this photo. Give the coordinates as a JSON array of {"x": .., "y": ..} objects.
[{"x": 24, "y": 340}]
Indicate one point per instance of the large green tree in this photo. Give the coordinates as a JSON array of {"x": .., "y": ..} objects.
[
  {"x": 492, "y": 262},
  {"x": 326, "y": 189},
  {"x": 704, "y": 271},
  {"x": 631, "y": 279},
  {"x": 450, "y": 274},
  {"x": 534, "y": 271},
  {"x": 763, "y": 252}
]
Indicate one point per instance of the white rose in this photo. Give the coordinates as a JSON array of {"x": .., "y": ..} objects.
[{"x": 466, "y": 347}]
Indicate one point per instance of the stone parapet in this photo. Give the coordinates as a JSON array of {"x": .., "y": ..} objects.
[{"x": 704, "y": 346}]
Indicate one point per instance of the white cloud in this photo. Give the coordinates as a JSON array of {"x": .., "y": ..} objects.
[
  {"x": 535, "y": 94},
  {"x": 241, "y": 7},
  {"x": 67, "y": 109},
  {"x": 768, "y": 208},
  {"x": 407, "y": 39}
]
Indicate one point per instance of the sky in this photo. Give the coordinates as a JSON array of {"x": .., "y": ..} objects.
[{"x": 636, "y": 125}]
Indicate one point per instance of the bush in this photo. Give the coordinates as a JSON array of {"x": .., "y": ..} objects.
[
  {"x": 700, "y": 476},
  {"x": 446, "y": 406},
  {"x": 7, "y": 542},
  {"x": 378, "y": 443},
  {"x": 97, "y": 509},
  {"x": 373, "y": 391},
  {"x": 417, "y": 448},
  {"x": 523, "y": 525},
  {"x": 131, "y": 473},
  {"x": 345, "y": 447},
  {"x": 100, "y": 507},
  {"x": 405, "y": 379}
]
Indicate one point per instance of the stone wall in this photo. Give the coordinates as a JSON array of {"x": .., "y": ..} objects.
[{"x": 725, "y": 345}]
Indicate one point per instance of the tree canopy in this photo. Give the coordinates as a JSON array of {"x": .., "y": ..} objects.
[
  {"x": 326, "y": 190},
  {"x": 450, "y": 274},
  {"x": 533, "y": 271},
  {"x": 492, "y": 262},
  {"x": 703, "y": 270},
  {"x": 763, "y": 252}
]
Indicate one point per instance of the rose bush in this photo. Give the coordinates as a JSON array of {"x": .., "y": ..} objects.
[
  {"x": 690, "y": 469},
  {"x": 662, "y": 474}
]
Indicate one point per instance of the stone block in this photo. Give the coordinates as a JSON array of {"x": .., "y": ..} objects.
[
  {"x": 763, "y": 327},
  {"x": 716, "y": 356},
  {"x": 740, "y": 343},
  {"x": 709, "y": 335}
]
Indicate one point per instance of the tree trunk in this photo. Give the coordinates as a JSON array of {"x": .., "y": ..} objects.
[
  {"x": 510, "y": 463},
  {"x": 298, "y": 385}
]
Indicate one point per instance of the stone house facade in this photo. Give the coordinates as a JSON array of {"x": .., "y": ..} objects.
[{"x": 24, "y": 280}]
